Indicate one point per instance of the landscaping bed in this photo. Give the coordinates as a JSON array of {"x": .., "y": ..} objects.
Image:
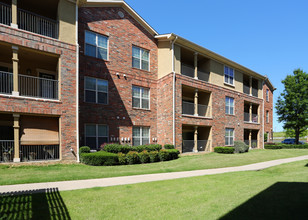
[{"x": 274, "y": 146}]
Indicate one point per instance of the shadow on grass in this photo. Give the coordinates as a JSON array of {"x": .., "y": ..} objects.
[
  {"x": 283, "y": 200},
  {"x": 33, "y": 204}
]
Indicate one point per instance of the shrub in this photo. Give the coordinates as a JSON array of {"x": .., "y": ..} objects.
[
  {"x": 144, "y": 157},
  {"x": 122, "y": 158},
  {"x": 169, "y": 146},
  {"x": 286, "y": 146},
  {"x": 153, "y": 156},
  {"x": 84, "y": 149},
  {"x": 265, "y": 137},
  {"x": 149, "y": 147},
  {"x": 224, "y": 150},
  {"x": 240, "y": 147},
  {"x": 132, "y": 157},
  {"x": 117, "y": 148},
  {"x": 99, "y": 158},
  {"x": 173, "y": 154},
  {"x": 163, "y": 155}
]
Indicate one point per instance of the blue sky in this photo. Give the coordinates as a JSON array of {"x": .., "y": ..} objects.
[{"x": 269, "y": 37}]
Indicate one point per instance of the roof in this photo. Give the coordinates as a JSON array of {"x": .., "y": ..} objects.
[
  {"x": 270, "y": 85},
  {"x": 118, "y": 3},
  {"x": 209, "y": 53}
]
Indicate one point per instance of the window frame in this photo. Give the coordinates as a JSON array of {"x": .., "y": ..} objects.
[
  {"x": 140, "y": 54},
  {"x": 96, "y": 133},
  {"x": 267, "y": 116},
  {"x": 141, "y": 135},
  {"x": 96, "y": 46},
  {"x": 229, "y": 109},
  {"x": 96, "y": 91},
  {"x": 228, "y": 76},
  {"x": 229, "y": 137},
  {"x": 141, "y": 90},
  {"x": 267, "y": 95}
]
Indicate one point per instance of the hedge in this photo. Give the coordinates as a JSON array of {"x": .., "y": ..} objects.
[
  {"x": 240, "y": 147},
  {"x": 118, "y": 148},
  {"x": 286, "y": 146},
  {"x": 100, "y": 158},
  {"x": 169, "y": 146},
  {"x": 84, "y": 149},
  {"x": 224, "y": 150}
]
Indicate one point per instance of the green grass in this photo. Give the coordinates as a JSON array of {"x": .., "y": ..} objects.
[
  {"x": 59, "y": 172},
  {"x": 279, "y": 134},
  {"x": 279, "y": 192}
]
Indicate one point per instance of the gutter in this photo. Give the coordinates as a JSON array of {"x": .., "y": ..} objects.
[
  {"x": 77, "y": 86},
  {"x": 263, "y": 83},
  {"x": 173, "y": 93}
]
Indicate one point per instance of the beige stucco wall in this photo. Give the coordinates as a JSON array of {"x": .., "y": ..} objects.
[
  {"x": 177, "y": 59},
  {"x": 67, "y": 21},
  {"x": 164, "y": 58}
]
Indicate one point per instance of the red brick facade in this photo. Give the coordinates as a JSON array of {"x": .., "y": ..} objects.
[{"x": 268, "y": 107}]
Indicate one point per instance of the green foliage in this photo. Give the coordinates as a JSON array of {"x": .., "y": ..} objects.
[
  {"x": 144, "y": 157},
  {"x": 291, "y": 133},
  {"x": 100, "y": 158},
  {"x": 224, "y": 150},
  {"x": 265, "y": 137},
  {"x": 148, "y": 147},
  {"x": 172, "y": 154},
  {"x": 84, "y": 149},
  {"x": 240, "y": 147},
  {"x": 154, "y": 156},
  {"x": 286, "y": 146},
  {"x": 292, "y": 104},
  {"x": 122, "y": 158},
  {"x": 132, "y": 157},
  {"x": 163, "y": 155},
  {"x": 118, "y": 148},
  {"x": 169, "y": 146}
]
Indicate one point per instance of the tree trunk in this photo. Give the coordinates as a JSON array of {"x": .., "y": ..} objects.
[{"x": 296, "y": 136}]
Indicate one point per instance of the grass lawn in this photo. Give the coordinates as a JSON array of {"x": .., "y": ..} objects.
[
  {"x": 59, "y": 172},
  {"x": 279, "y": 192}
]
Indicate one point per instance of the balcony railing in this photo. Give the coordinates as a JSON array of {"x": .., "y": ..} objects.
[
  {"x": 254, "y": 117},
  {"x": 255, "y": 92},
  {"x": 29, "y": 86},
  {"x": 30, "y": 21},
  {"x": 202, "y": 145},
  {"x": 254, "y": 143},
  {"x": 39, "y": 152},
  {"x": 190, "y": 71},
  {"x": 246, "y": 89},
  {"x": 246, "y": 116},
  {"x": 6, "y": 151},
  {"x": 188, "y": 108}
]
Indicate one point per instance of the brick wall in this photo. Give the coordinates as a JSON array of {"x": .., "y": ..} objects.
[{"x": 268, "y": 106}]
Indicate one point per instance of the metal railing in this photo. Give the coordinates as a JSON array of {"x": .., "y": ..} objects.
[
  {"x": 255, "y": 92},
  {"x": 202, "y": 145},
  {"x": 246, "y": 89},
  {"x": 203, "y": 76},
  {"x": 6, "y": 82},
  {"x": 255, "y": 118},
  {"x": 6, "y": 151},
  {"x": 5, "y": 14},
  {"x": 254, "y": 143},
  {"x": 38, "y": 24},
  {"x": 188, "y": 108},
  {"x": 38, "y": 87},
  {"x": 246, "y": 142},
  {"x": 39, "y": 152},
  {"x": 246, "y": 116},
  {"x": 190, "y": 71}
]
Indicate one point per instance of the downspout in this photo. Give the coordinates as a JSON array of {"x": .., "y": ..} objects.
[
  {"x": 77, "y": 85},
  {"x": 263, "y": 111},
  {"x": 173, "y": 87}
]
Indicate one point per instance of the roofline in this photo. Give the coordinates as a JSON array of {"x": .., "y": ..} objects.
[
  {"x": 270, "y": 84},
  {"x": 198, "y": 48},
  {"x": 119, "y": 3}
]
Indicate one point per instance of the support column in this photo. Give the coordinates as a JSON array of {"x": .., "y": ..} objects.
[
  {"x": 16, "y": 138},
  {"x": 196, "y": 103},
  {"x": 15, "y": 71},
  {"x": 196, "y": 139},
  {"x": 250, "y": 139},
  {"x": 250, "y": 85},
  {"x": 196, "y": 65},
  {"x": 250, "y": 112},
  {"x": 14, "y": 14}
]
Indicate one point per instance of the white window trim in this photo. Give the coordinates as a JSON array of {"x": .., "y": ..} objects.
[
  {"x": 96, "y": 132},
  {"x": 230, "y": 136},
  {"x": 229, "y": 76},
  {"x": 140, "y": 87},
  {"x": 141, "y": 134},
  {"x": 96, "y": 54},
  {"x": 230, "y": 106},
  {"x": 140, "y": 66},
  {"x": 96, "y": 91}
]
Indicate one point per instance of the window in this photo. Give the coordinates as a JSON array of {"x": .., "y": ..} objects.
[
  {"x": 141, "y": 135},
  {"x": 96, "y": 135},
  {"x": 267, "y": 117},
  {"x": 96, "y": 45},
  {"x": 229, "y": 136},
  {"x": 141, "y": 58},
  {"x": 229, "y": 105},
  {"x": 141, "y": 97},
  {"x": 229, "y": 75},
  {"x": 267, "y": 95},
  {"x": 96, "y": 90}
]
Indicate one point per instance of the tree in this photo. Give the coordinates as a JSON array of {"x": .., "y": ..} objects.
[{"x": 292, "y": 104}]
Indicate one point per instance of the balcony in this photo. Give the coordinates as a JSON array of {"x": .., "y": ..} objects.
[
  {"x": 251, "y": 138},
  {"x": 251, "y": 112},
  {"x": 188, "y": 108},
  {"x": 202, "y": 145},
  {"x": 6, "y": 151},
  {"x": 254, "y": 92},
  {"x": 30, "y": 21},
  {"x": 196, "y": 139},
  {"x": 246, "y": 89},
  {"x": 190, "y": 71}
]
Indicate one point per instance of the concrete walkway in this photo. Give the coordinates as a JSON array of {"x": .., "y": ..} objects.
[{"x": 114, "y": 181}]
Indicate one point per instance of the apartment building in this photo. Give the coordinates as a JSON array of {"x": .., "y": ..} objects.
[
  {"x": 268, "y": 90},
  {"x": 38, "y": 82}
]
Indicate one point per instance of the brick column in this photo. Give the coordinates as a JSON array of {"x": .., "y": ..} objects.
[
  {"x": 15, "y": 71},
  {"x": 196, "y": 65},
  {"x": 196, "y": 139},
  {"x": 196, "y": 103},
  {"x": 14, "y": 14},
  {"x": 16, "y": 138}
]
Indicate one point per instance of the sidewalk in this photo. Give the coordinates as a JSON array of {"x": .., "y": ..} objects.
[{"x": 114, "y": 181}]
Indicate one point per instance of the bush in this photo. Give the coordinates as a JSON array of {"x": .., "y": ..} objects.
[
  {"x": 84, "y": 149},
  {"x": 240, "y": 147},
  {"x": 122, "y": 158},
  {"x": 148, "y": 147},
  {"x": 224, "y": 150},
  {"x": 163, "y": 155},
  {"x": 169, "y": 146},
  {"x": 118, "y": 148},
  {"x": 286, "y": 146},
  {"x": 265, "y": 137},
  {"x": 132, "y": 157},
  {"x": 154, "y": 156},
  {"x": 144, "y": 157},
  {"x": 172, "y": 154},
  {"x": 99, "y": 158}
]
